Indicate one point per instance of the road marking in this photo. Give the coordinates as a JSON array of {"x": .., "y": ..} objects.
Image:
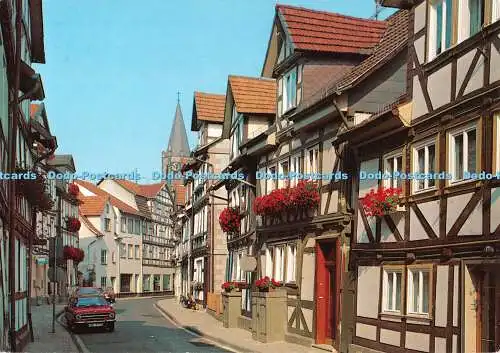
[{"x": 191, "y": 332}]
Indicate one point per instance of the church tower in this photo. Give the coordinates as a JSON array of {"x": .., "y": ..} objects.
[{"x": 177, "y": 153}]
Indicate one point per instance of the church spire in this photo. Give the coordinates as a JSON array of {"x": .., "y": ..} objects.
[{"x": 178, "y": 145}]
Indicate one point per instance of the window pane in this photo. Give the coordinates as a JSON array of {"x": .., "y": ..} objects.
[
  {"x": 399, "y": 169},
  {"x": 421, "y": 166},
  {"x": 425, "y": 299},
  {"x": 459, "y": 151},
  {"x": 449, "y": 21},
  {"x": 390, "y": 290},
  {"x": 439, "y": 27},
  {"x": 415, "y": 291},
  {"x": 476, "y": 8},
  {"x": 471, "y": 151},
  {"x": 398, "y": 291},
  {"x": 432, "y": 163}
]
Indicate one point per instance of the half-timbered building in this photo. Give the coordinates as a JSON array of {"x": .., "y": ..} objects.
[
  {"x": 427, "y": 273},
  {"x": 249, "y": 113},
  {"x": 324, "y": 84}
]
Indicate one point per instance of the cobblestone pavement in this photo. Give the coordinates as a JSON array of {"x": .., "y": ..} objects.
[{"x": 45, "y": 340}]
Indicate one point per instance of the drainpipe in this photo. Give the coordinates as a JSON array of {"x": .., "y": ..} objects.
[{"x": 13, "y": 121}]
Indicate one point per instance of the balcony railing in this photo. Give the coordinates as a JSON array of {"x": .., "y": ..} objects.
[
  {"x": 158, "y": 240},
  {"x": 199, "y": 241}
]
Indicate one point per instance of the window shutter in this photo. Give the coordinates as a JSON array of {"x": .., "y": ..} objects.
[
  {"x": 280, "y": 97},
  {"x": 299, "y": 84}
]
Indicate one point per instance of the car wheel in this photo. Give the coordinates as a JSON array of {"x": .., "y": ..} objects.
[{"x": 111, "y": 327}]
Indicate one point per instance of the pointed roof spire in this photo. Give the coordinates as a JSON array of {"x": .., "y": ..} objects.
[{"x": 178, "y": 144}]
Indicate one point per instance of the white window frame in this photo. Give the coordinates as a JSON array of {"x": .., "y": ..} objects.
[
  {"x": 269, "y": 262},
  {"x": 291, "y": 263},
  {"x": 279, "y": 263},
  {"x": 432, "y": 38},
  {"x": 495, "y": 10},
  {"x": 271, "y": 182},
  {"x": 105, "y": 257},
  {"x": 312, "y": 167},
  {"x": 295, "y": 167},
  {"x": 393, "y": 183},
  {"x": 424, "y": 145},
  {"x": 411, "y": 291},
  {"x": 391, "y": 274},
  {"x": 283, "y": 181},
  {"x": 289, "y": 82},
  {"x": 452, "y": 134}
]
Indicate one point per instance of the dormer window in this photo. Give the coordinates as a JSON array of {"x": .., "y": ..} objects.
[
  {"x": 237, "y": 133},
  {"x": 289, "y": 90}
]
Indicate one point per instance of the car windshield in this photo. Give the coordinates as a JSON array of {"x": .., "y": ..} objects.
[
  {"x": 88, "y": 291},
  {"x": 90, "y": 301}
]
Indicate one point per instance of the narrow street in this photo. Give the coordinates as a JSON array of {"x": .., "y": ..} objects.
[{"x": 141, "y": 328}]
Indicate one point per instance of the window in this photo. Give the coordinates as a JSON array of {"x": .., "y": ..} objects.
[
  {"x": 124, "y": 225},
  {"x": 279, "y": 263},
  {"x": 269, "y": 262},
  {"x": 463, "y": 153},
  {"x": 295, "y": 168},
  {"x": 283, "y": 174},
  {"x": 418, "y": 291},
  {"x": 130, "y": 226},
  {"x": 104, "y": 282},
  {"x": 391, "y": 290},
  {"x": 495, "y": 10},
  {"x": 104, "y": 257},
  {"x": 476, "y": 16},
  {"x": 130, "y": 251},
  {"x": 137, "y": 252},
  {"x": 123, "y": 251},
  {"x": 272, "y": 182},
  {"x": 393, "y": 164},
  {"x": 312, "y": 157},
  {"x": 497, "y": 162},
  {"x": 440, "y": 27},
  {"x": 107, "y": 224},
  {"x": 290, "y": 263},
  {"x": 137, "y": 229},
  {"x": 424, "y": 164},
  {"x": 290, "y": 90}
]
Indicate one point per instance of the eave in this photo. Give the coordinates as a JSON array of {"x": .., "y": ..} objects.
[
  {"x": 37, "y": 37},
  {"x": 400, "y": 4},
  {"x": 264, "y": 143},
  {"x": 31, "y": 83},
  {"x": 203, "y": 149}
]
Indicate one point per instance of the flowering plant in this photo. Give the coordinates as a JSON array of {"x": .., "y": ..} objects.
[
  {"x": 33, "y": 187},
  {"x": 228, "y": 286},
  {"x": 381, "y": 202},
  {"x": 267, "y": 283},
  {"x": 305, "y": 195},
  {"x": 229, "y": 220},
  {"x": 73, "y": 224},
  {"x": 73, "y": 189},
  {"x": 72, "y": 253}
]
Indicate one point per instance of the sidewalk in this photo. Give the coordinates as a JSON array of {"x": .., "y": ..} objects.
[
  {"x": 238, "y": 339},
  {"x": 45, "y": 340}
]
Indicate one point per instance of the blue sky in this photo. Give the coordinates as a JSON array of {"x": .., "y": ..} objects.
[{"x": 114, "y": 67}]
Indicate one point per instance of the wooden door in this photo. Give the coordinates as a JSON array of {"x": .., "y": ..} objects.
[
  {"x": 488, "y": 324},
  {"x": 326, "y": 293}
]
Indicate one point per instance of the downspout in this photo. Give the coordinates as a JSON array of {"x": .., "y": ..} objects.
[{"x": 14, "y": 105}]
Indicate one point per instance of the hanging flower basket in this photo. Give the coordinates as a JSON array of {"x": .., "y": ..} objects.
[
  {"x": 228, "y": 286},
  {"x": 230, "y": 220},
  {"x": 381, "y": 202},
  {"x": 72, "y": 253},
  {"x": 73, "y": 224},
  {"x": 33, "y": 188},
  {"x": 73, "y": 189},
  {"x": 266, "y": 284}
]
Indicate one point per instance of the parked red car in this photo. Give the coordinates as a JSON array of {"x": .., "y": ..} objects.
[{"x": 90, "y": 311}]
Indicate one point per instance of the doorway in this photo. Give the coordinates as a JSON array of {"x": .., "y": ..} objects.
[
  {"x": 488, "y": 308},
  {"x": 327, "y": 304}
]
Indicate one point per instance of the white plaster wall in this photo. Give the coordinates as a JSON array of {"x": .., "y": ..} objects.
[
  {"x": 439, "y": 87},
  {"x": 257, "y": 125},
  {"x": 296, "y": 143},
  {"x": 419, "y": 105},
  {"x": 420, "y": 49},
  {"x": 495, "y": 64},
  {"x": 366, "y": 331},
  {"x": 417, "y": 341},
  {"x": 430, "y": 210},
  {"x": 463, "y": 64},
  {"x": 390, "y": 337},
  {"x": 368, "y": 291},
  {"x": 370, "y": 166},
  {"x": 214, "y": 130},
  {"x": 441, "y": 303},
  {"x": 419, "y": 17},
  {"x": 113, "y": 188},
  {"x": 307, "y": 279},
  {"x": 362, "y": 235}
]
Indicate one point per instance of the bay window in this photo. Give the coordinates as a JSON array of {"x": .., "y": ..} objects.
[
  {"x": 418, "y": 291},
  {"x": 463, "y": 152},
  {"x": 391, "y": 290},
  {"x": 424, "y": 164},
  {"x": 393, "y": 163}
]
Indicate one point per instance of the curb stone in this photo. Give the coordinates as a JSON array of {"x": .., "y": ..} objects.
[
  {"x": 76, "y": 339},
  {"x": 197, "y": 332}
]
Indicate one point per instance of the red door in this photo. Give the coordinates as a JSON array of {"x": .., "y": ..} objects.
[{"x": 326, "y": 293}]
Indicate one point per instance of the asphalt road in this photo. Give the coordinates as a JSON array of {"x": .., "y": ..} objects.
[{"x": 141, "y": 328}]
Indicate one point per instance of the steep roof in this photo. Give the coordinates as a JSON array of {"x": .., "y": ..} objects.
[
  {"x": 320, "y": 31},
  {"x": 178, "y": 144},
  {"x": 122, "y": 206},
  {"x": 253, "y": 95},
  {"x": 146, "y": 190},
  {"x": 392, "y": 42},
  {"x": 92, "y": 205},
  {"x": 62, "y": 161},
  {"x": 207, "y": 107},
  {"x": 90, "y": 226}
]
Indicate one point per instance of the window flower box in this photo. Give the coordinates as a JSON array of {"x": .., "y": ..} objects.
[
  {"x": 230, "y": 220},
  {"x": 382, "y": 202},
  {"x": 73, "y": 224},
  {"x": 228, "y": 286},
  {"x": 72, "y": 253},
  {"x": 267, "y": 284}
]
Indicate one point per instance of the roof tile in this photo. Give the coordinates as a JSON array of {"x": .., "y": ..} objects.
[
  {"x": 313, "y": 30},
  {"x": 209, "y": 107},
  {"x": 122, "y": 206},
  {"x": 254, "y": 95}
]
